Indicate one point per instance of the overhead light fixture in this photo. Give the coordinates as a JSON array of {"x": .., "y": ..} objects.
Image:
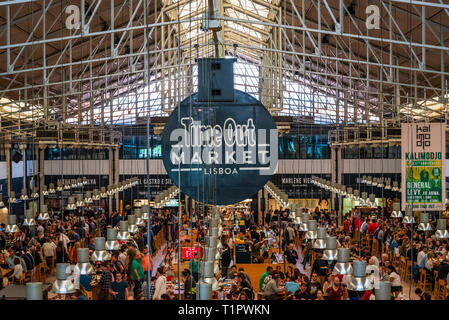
[
  {"x": 320, "y": 242},
  {"x": 374, "y": 183},
  {"x": 396, "y": 213},
  {"x": 103, "y": 193},
  {"x": 61, "y": 284},
  {"x": 51, "y": 188},
  {"x": 96, "y": 195},
  {"x": 43, "y": 214},
  {"x": 29, "y": 218},
  {"x": 66, "y": 185},
  {"x": 88, "y": 197},
  {"x": 145, "y": 212},
  {"x": 364, "y": 179},
  {"x": 85, "y": 182},
  {"x": 395, "y": 186},
  {"x": 123, "y": 233},
  {"x": 442, "y": 232},
  {"x": 424, "y": 224},
  {"x": 79, "y": 200},
  {"x": 409, "y": 218},
  {"x": 83, "y": 265},
  {"x": 100, "y": 254},
  {"x": 112, "y": 243},
  {"x": 132, "y": 227},
  {"x": 343, "y": 266},
  {"x": 59, "y": 187},
  {"x": 71, "y": 204},
  {"x": 359, "y": 281},
  {"x": 79, "y": 182},
  {"x": 311, "y": 233},
  {"x": 24, "y": 195},
  {"x": 74, "y": 184},
  {"x": 12, "y": 197},
  {"x": 380, "y": 183},
  {"x": 138, "y": 215},
  {"x": 388, "y": 184},
  {"x": 384, "y": 291},
  {"x": 369, "y": 181},
  {"x": 304, "y": 225},
  {"x": 372, "y": 200},
  {"x": 12, "y": 226},
  {"x": 330, "y": 253},
  {"x": 35, "y": 193}
]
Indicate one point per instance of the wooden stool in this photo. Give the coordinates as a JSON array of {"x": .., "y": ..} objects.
[
  {"x": 441, "y": 293},
  {"x": 408, "y": 269},
  {"x": 422, "y": 279},
  {"x": 402, "y": 266}
]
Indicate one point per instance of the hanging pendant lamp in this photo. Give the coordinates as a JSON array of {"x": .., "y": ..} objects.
[
  {"x": 384, "y": 291},
  {"x": 132, "y": 227},
  {"x": 12, "y": 197},
  {"x": 12, "y": 226},
  {"x": 85, "y": 182},
  {"x": 112, "y": 243},
  {"x": 395, "y": 186},
  {"x": 304, "y": 225},
  {"x": 145, "y": 212},
  {"x": 34, "y": 291},
  {"x": 442, "y": 232},
  {"x": 61, "y": 284},
  {"x": 123, "y": 233},
  {"x": 330, "y": 253},
  {"x": 311, "y": 233},
  {"x": 388, "y": 184},
  {"x": 66, "y": 185},
  {"x": 51, "y": 188},
  {"x": 96, "y": 195},
  {"x": 35, "y": 193},
  {"x": 100, "y": 254},
  {"x": 396, "y": 213},
  {"x": 29, "y": 218},
  {"x": 43, "y": 214},
  {"x": 71, "y": 204},
  {"x": 103, "y": 193},
  {"x": 24, "y": 195},
  {"x": 79, "y": 182},
  {"x": 79, "y": 200},
  {"x": 320, "y": 242},
  {"x": 359, "y": 281},
  {"x": 88, "y": 197},
  {"x": 409, "y": 218},
  {"x": 343, "y": 266},
  {"x": 424, "y": 224},
  {"x": 83, "y": 265},
  {"x": 73, "y": 184}
]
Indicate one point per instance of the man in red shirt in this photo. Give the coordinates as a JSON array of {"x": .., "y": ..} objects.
[{"x": 372, "y": 227}]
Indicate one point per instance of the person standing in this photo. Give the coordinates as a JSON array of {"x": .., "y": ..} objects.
[
  {"x": 137, "y": 274},
  {"x": 105, "y": 283},
  {"x": 119, "y": 288},
  {"x": 291, "y": 255},
  {"x": 161, "y": 284},
  {"x": 225, "y": 260},
  {"x": 194, "y": 266}
]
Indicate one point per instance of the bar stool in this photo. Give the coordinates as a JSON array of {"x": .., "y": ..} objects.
[
  {"x": 422, "y": 279},
  {"x": 441, "y": 292}
]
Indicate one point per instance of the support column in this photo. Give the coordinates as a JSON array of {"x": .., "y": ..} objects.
[
  {"x": 339, "y": 180},
  {"x": 116, "y": 175},
  {"x": 111, "y": 177},
  {"x": 41, "y": 157},
  {"x": 259, "y": 206},
  {"x": 23, "y": 149},
  {"x": 8, "y": 167},
  {"x": 333, "y": 174}
]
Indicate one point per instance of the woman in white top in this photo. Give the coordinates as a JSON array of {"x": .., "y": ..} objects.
[
  {"x": 395, "y": 279},
  {"x": 18, "y": 269}
]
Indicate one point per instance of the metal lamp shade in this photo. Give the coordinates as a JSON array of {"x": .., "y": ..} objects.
[
  {"x": 209, "y": 253},
  {"x": 112, "y": 243},
  {"x": 79, "y": 200},
  {"x": 330, "y": 253},
  {"x": 71, "y": 204},
  {"x": 358, "y": 281},
  {"x": 132, "y": 227},
  {"x": 43, "y": 214},
  {"x": 424, "y": 224},
  {"x": 24, "y": 195},
  {"x": 124, "y": 234},
  {"x": 35, "y": 193},
  {"x": 320, "y": 242},
  {"x": 61, "y": 284},
  {"x": 442, "y": 232},
  {"x": 83, "y": 265},
  {"x": 103, "y": 193},
  {"x": 11, "y": 227},
  {"x": 409, "y": 218},
  {"x": 44, "y": 190},
  {"x": 145, "y": 212},
  {"x": 51, "y": 188},
  {"x": 96, "y": 195},
  {"x": 100, "y": 254},
  {"x": 59, "y": 186},
  {"x": 204, "y": 290},
  {"x": 66, "y": 185},
  {"x": 311, "y": 234},
  {"x": 88, "y": 197},
  {"x": 396, "y": 213},
  {"x": 384, "y": 291},
  {"x": 304, "y": 225},
  {"x": 343, "y": 266},
  {"x": 12, "y": 197},
  {"x": 73, "y": 184},
  {"x": 29, "y": 218},
  {"x": 34, "y": 291}
]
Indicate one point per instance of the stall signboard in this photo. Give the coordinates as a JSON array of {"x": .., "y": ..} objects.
[
  {"x": 220, "y": 153},
  {"x": 188, "y": 253},
  {"x": 423, "y": 166}
]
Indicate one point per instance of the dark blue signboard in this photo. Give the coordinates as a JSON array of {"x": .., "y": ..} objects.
[{"x": 220, "y": 152}]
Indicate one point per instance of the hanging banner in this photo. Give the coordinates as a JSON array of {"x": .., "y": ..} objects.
[{"x": 423, "y": 166}]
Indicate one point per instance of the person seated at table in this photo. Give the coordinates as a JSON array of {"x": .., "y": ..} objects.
[
  {"x": 272, "y": 291},
  {"x": 303, "y": 293},
  {"x": 291, "y": 285},
  {"x": 233, "y": 273},
  {"x": 242, "y": 283},
  {"x": 17, "y": 270}
]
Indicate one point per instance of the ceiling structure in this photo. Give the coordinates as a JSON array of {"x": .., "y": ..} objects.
[{"x": 311, "y": 59}]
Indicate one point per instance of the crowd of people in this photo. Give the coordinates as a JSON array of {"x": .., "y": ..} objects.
[{"x": 300, "y": 273}]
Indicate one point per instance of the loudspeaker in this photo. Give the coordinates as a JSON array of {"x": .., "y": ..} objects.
[{"x": 16, "y": 156}]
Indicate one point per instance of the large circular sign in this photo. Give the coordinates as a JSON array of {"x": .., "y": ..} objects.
[{"x": 220, "y": 152}]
